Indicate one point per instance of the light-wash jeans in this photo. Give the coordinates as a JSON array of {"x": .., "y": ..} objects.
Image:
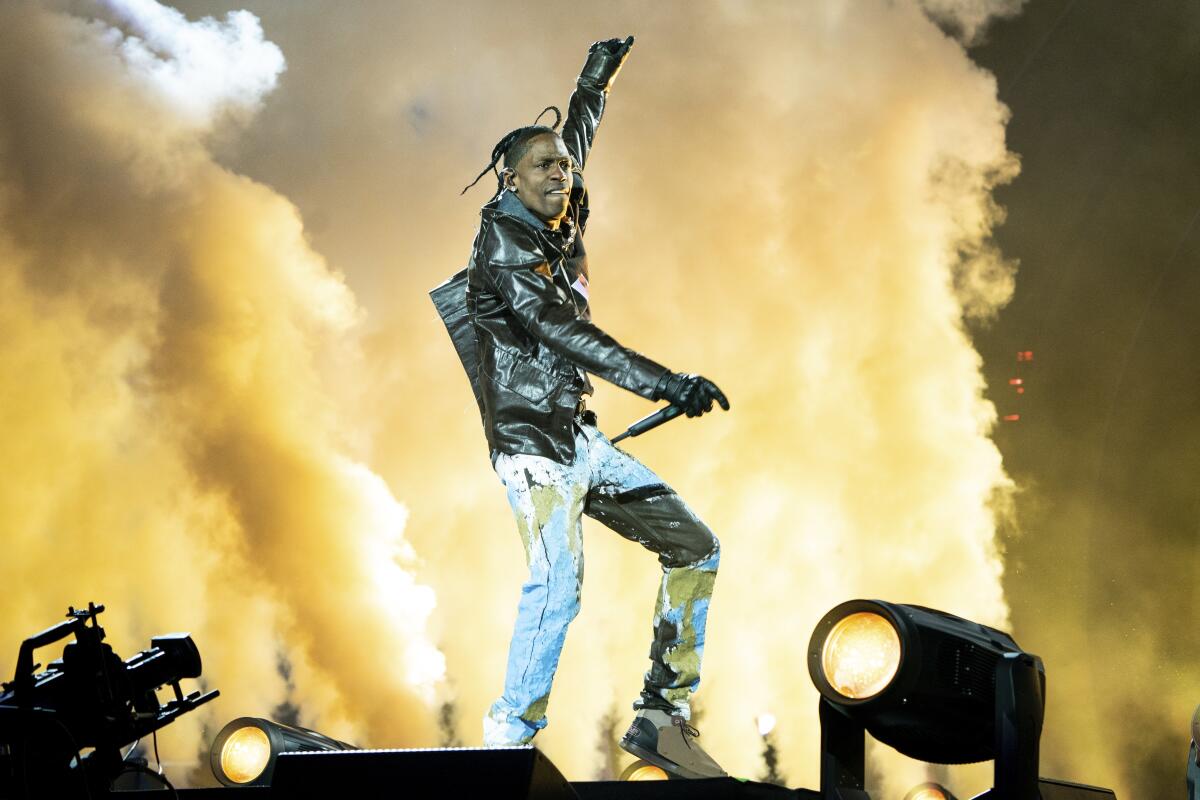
[{"x": 548, "y": 500}]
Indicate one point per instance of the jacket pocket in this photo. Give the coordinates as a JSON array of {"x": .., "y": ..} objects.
[{"x": 517, "y": 373}]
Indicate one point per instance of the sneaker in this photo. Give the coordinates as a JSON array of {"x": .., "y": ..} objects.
[{"x": 669, "y": 742}]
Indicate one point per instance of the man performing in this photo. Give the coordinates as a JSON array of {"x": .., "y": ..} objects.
[{"x": 527, "y": 306}]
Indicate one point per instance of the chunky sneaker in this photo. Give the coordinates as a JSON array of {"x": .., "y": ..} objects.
[{"x": 669, "y": 742}]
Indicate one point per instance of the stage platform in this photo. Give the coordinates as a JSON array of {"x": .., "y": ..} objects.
[
  {"x": 717, "y": 789},
  {"x": 516, "y": 773}
]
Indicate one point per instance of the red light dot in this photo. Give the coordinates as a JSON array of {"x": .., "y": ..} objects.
[{"x": 1011, "y": 417}]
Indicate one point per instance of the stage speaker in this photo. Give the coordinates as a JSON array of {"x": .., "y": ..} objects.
[
  {"x": 1062, "y": 790},
  {"x": 503, "y": 773}
]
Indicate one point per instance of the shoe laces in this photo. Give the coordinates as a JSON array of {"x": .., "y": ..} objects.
[{"x": 685, "y": 729}]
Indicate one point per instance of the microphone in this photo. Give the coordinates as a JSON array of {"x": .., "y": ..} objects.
[{"x": 649, "y": 422}]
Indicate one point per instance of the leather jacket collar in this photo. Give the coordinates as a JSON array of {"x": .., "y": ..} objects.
[{"x": 509, "y": 204}]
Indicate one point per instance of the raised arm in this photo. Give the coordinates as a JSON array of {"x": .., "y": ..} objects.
[{"x": 604, "y": 61}]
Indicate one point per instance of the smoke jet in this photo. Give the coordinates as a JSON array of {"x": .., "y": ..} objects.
[{"x": 171, "y": 445}]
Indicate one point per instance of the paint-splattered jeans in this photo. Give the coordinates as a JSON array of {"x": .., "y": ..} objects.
[{"x": 548, "y": 500}]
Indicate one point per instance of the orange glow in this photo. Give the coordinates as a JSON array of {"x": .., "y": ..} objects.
[
  {"x": 928, "y": 793},
  {"x": 245, "y": 754},
  {"x": 861, "y": 655},
  {"x": 642, "y": 771}
]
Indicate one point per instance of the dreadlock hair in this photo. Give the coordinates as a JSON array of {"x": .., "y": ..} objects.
[{"x": 513, "y": 146}]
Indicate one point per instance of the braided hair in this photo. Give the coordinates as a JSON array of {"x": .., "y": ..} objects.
[{"x": 513, "y": 145}]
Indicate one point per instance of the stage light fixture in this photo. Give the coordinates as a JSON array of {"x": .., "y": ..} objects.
[
  {"x": 245, "y": 751},
  {"x": 643, "y": 771},
  {"x": 936, "y": 687},
  {"x": 929, "y": 791}
]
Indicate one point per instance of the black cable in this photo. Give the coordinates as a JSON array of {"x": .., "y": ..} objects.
[
  {"x": 138, "y": 768},
  {"x": 145, "y": 770}
]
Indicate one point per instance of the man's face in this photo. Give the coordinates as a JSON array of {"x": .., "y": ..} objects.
[{"x": 542, "y": 178}]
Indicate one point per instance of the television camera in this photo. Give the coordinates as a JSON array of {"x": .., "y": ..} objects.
[{"x": 89, "y": 700}]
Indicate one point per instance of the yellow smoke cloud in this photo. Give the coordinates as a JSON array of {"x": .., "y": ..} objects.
[
  {"x": 170, "y": 444},
  {"x": 793, "y": 199}
]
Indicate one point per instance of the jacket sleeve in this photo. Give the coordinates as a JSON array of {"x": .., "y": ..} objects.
[
  {"x": 583, "y": 117},
  {"x": 520, "y": 274}
]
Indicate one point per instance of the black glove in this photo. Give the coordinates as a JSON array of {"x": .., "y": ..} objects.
[
  {"x": 604, "y": 62},
  {"x": 693, "y": 393}
]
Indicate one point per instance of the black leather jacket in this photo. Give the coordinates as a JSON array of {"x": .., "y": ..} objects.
[{"x": 527, "y": 301}]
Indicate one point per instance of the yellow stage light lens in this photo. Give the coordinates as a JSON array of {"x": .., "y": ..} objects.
[
  {"x": 928, "y": 793},
  {"x": 861, "y": 655},
  {"x": 245, "y": 754},
  {"x": 641, "y": 771}
]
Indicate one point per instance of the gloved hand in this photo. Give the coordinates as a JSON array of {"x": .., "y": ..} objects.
[
  {"x": 604, "y": 62},
  {"x": 693, "y": 393}
]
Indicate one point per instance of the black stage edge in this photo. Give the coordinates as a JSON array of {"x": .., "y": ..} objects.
[
  {"x": 593, "y": 790},
  {"x": 400, "y": 788},
  {"x": 504, "y": 773},
  {"x": 596, "y": 790},
  {"x": 510, "y": 773},
  {"x": 702, "y": 790}
]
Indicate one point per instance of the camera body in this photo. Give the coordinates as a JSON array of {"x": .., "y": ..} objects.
[{"x": 89, "y": 698}]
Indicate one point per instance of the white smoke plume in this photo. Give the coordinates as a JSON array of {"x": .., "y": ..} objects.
[
  {"x": 172, "y": 442},
  {"x": 200, "y": 68}
]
